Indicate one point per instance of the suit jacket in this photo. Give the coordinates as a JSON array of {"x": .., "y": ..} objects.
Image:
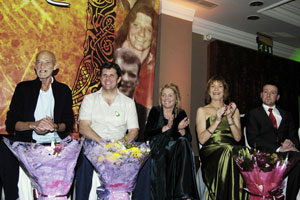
[
  {"x": 23, "y": 104},
  {"x": 142, "y": 113},
  {"x": 262, "y": 134}
]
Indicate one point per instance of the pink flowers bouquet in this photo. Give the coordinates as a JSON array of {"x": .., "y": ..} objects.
[
  {"x": 263, "y": 173},
  {"x": 49, "y": 167},
  {"x": 117, "y": 165}
]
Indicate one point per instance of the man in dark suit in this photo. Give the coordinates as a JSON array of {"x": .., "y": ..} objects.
[{"x": 272, "y": 129}]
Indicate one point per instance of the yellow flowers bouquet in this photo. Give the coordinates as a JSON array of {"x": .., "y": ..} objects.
[{"x": 117, "y": 164}]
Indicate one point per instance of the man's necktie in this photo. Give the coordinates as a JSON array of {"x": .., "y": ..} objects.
[{"x": 272, "y": 118}]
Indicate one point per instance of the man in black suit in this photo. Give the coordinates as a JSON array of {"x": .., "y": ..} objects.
[{"x": 272, "y": 129}]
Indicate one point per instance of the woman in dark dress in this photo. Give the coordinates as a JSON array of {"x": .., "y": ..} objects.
[
  {"x": 219, "y": 131},
  {"x": 172, "y": 164}
]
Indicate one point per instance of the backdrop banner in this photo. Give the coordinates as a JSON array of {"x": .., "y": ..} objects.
[{"x": 83, "y": 35}]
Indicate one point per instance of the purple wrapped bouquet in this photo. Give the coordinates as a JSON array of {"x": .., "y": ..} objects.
[
  {"x": 117, "y": 165},
  {"x": 49, "y": 167}
]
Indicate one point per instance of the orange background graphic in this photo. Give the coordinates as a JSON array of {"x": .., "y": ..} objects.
[
  {"x": 27, "y": 27},
  {"x": 81, "y": 36}
]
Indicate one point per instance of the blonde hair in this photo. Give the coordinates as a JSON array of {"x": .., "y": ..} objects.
[{"x": 175, "y": 89}]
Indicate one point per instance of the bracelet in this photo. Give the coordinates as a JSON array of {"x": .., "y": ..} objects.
[
  {"x": 231, "y": 124},
  {"x": 56, "y": 129},
  {"x": 209, "y": 131}
]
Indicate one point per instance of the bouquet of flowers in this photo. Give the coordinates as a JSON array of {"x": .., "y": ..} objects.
[
  {"x": 49, "y": 167},
  {"x": 263, "y": 173},
  {"x": 117, "y": 165}
]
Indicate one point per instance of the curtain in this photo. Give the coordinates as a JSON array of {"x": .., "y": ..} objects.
[{"x": 246, "y": 71}]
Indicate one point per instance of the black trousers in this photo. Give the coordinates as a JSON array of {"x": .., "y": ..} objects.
[
  {"x": 293, "y": 183},
  {"x": 9, "y": 172}
]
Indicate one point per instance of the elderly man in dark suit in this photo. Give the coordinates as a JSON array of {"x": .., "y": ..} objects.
[{"x": 272, "y": 129}]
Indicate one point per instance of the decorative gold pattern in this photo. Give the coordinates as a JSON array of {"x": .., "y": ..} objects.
[{"x": 98, "y": 49}]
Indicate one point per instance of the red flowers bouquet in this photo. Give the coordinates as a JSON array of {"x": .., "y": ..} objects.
[{"x": 263, "y": 173}]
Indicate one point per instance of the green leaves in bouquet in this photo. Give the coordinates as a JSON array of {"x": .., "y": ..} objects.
[
  {"x": 267, "y": 161},
  {"x": 128, "y": 144},
  {"x": 246, "y": 158}
]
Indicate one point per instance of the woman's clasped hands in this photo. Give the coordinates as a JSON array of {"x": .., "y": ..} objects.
[{"x": 227, "y": 110}]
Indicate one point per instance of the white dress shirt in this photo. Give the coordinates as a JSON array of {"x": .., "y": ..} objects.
[{"x": 276, "y": 113}]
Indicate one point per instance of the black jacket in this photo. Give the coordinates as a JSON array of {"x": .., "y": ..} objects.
[
  {"x": 262, "y": 134},
  {"x": 23, "y": 104}
]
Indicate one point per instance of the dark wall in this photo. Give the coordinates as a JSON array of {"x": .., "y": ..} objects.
[{"x": 247, "y": 70}]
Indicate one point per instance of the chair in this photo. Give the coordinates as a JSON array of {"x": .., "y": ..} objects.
[
  {"x": 199, "y": 180},
  {"x": 24, "y": 185},
  {"x": 2, "y": 194},
  {"x": 245, "y": 138},
  {"x": 202, "y": 189}
]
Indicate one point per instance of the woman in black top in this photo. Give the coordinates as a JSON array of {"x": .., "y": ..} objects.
[{"x": 172, "y": 165}]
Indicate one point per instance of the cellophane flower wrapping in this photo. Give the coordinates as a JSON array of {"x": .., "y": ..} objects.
[
  {"x": 117, "y": 164},
  {"x": 49, "y": 167},
  {"x": 263, "y": 173}
]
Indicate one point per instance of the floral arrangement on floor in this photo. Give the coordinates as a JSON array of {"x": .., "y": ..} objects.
[
  {"x": 49, "y": 167},
  {"x": 117, "y": 164},
  {"x": 263, "y": 172}
]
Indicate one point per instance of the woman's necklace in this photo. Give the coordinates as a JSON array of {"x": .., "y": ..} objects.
[
  {"x": 167, "y": 115},
  {"x": 215, "y": 107}
]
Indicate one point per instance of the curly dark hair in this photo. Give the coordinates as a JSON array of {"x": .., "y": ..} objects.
[{"x": 110, "y": 65}]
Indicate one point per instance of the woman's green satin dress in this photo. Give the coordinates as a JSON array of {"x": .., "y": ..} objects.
[{"x": 220, "y": 173}]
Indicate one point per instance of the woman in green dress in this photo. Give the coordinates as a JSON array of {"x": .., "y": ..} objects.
[{"x": 219, "y": 131}]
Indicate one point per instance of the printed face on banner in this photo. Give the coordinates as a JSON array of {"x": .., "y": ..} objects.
[
  {"x": 129, "y": 78},
  {"x": 140, "y": 32},
  {"x": 81, "y": 45},
  {"x": 137, "y": 31}
]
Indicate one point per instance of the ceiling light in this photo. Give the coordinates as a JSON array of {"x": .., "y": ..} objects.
[
  {"x": 256, "y": 3},
  {"x": 253, "y": 17},
  {"x": 204, "y": 3}
]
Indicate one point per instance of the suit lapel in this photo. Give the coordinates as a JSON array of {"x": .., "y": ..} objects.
[
  {"x": 283, "y": 117},
  {"x": 265, "y": 117}
]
